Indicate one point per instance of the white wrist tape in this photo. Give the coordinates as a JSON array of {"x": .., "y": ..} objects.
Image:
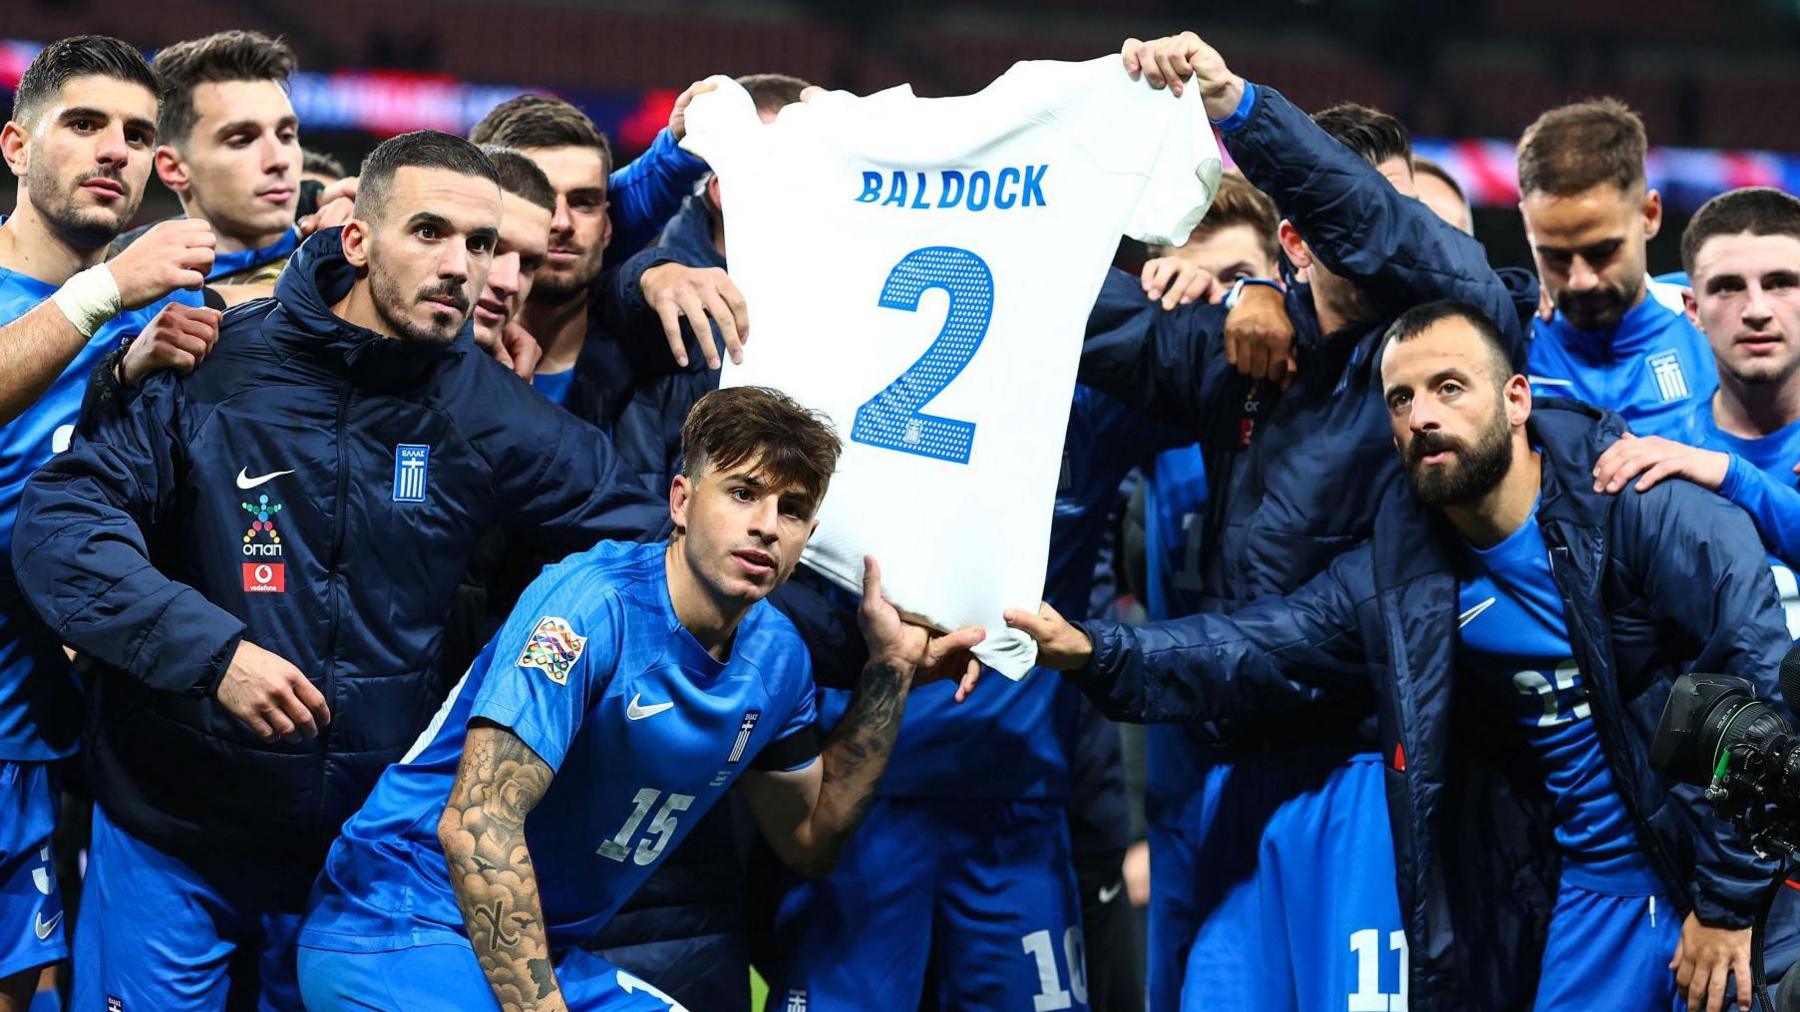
[{"x": 89, "y": 299}]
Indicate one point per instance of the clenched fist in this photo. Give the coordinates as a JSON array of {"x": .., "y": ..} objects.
[{"x": 172, "y": 254}]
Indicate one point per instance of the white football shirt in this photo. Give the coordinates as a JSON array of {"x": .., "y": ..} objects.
[{"x": 922, "y": 270}]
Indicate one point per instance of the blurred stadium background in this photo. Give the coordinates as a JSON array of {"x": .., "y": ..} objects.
[{"x": 1714, "y": 79}]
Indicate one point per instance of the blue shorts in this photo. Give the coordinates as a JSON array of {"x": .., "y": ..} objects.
[
  {"x": 446, "y": 978},
  {"x": 1275, "y": 888},
  {"x": 31, "y": 910},
  {"x": 1612, "y": 947},
  {"x": 158, "y": 932},
  {"x": 977, "y": 895}
]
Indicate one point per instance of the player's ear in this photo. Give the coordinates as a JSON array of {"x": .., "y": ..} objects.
[
  {"x": 171, "y": 169},
  {"x": 1293, "y": 245},
  {"x": 1652, "y": 211},
  {"x": 15, "y": 144},
  {"x": 681, "y": 490},
  {"x": 355, "y": 238}
]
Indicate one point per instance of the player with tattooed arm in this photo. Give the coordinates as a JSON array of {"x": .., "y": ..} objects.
[{"x": 630, "y": 689}]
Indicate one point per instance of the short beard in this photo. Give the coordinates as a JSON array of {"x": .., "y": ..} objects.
[
  {"x": 1477, "y": 469},
  {"x": 549, "y": 288},
  {"x": 392, "y": 304},
  {"x": 1762, "y": 371},
  {"x": 1597, "y": 310},
  {"x": 91, "y": 229}
]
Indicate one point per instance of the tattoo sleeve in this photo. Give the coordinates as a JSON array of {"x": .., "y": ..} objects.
[
  {"x": 855, "y": 754},
  {"x": 483, "y": 834}
]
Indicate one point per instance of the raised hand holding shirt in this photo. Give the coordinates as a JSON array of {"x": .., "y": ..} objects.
[{"x": 921, "y": 270}]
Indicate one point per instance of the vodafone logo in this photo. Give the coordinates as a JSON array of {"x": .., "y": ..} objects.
[{"x": 265, "y": 578}]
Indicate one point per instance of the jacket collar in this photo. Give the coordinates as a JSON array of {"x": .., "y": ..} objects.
[
  {"x": 317, "y": 278},
  {"x": 1572, "y": 435},
  {"x": 1413, "y": 541}
]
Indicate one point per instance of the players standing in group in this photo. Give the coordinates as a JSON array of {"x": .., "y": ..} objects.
[
  {"x": 224, "y": 494},
  {"x": 265, "y": 650},
  {"x": 80, "y": 142}
]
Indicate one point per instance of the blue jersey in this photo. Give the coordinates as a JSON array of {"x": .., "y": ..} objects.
[
  {"x": 1174, "y": 495},
  {"x": 1650, "y": 368},
  {"x": 1514, "y": 639},
  {"x": 643, "y": 728},
  {"x": 554, "y": 385},
  {"x": 254, "y": 266},
  {"x": 1174, "y": 492},
  {"x": 1761, "y": 480},
  {"x": 1019, "y": 735},
  {"x": 39, "y": 714}
]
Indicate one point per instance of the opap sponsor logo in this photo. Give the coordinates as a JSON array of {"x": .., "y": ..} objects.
[{"x": 261, "y": 540}]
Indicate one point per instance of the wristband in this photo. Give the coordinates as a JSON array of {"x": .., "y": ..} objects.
[
  {"x": 1237, "y": 289},
  {"x": 89, "y": 299}
]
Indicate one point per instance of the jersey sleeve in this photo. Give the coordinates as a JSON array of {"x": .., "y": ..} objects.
[
  {"x": 1159, "y": 145},
  {"x": 551, "y": 660},
  {"x": 1772, "y": 505},
  {"x": 719, "y": 122},
  {"x": 796, "y": 743}
]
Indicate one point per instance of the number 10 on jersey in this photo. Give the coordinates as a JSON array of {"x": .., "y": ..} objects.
[{"x": 892, "y": 419}]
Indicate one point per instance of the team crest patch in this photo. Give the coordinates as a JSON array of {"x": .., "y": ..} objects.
[
  {"x": 412, "y": 463},
  {"x": 1671, "y": 382},
  {"x": 553, "y": 649}
]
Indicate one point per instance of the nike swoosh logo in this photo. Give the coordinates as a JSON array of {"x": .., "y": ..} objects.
[
  {"x": 1469, "y": 616},
  {"x": 43, "y": 927},
  {"x": 633, "y": 711},
  {"x": 247, "y": 483},
  {"x": 1110, "y": 893}
]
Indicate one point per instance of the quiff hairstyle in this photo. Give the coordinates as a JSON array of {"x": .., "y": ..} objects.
[
  {"x": 790, "y": 444},
  {"x": 224, "y": 56},
  {"x": 1574, "y": 148},
  {"x": 77, "y": 56}
]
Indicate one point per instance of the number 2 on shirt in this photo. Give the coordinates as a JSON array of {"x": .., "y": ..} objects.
[{"x": 892, "y": 419}]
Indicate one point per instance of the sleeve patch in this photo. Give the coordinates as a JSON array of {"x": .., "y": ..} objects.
[{"x": 553, "y": 648}]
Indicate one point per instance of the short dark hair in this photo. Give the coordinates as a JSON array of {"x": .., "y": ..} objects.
[
  {"x": 520, "y": 176},
  {"x": 421, "y": 149},
  {"x": 1421, "y": 318},
  {"x": 790, "y": 444},
  {"x": 77, "y": 56},
  {"x": 1753, "y": 210},
  {"x": 222, "y": 56},
  {"x": 1577, "y": 147},
  {"x": 773, "y": 92},
  {"x": 321, "y": 164},
  {"x": 1371, "y": 133},
  {"x": 539, "y": 121}
]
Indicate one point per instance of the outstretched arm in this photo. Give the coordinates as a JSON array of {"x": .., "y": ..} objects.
[{"x": 482, "y": 831}]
